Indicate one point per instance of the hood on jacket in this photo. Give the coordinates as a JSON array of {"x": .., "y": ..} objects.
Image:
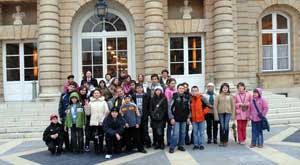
[
  {"x": 259, "y": 91},
  {"x": 102, "y": 98},
  {"x": 74, "y": 94}
]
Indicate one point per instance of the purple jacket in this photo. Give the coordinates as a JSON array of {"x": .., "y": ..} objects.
[
  {"x": 261, "y": 104},
  {"x": 239, "y": 99}
]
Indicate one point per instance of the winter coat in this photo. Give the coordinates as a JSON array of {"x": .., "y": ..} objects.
[
  {"x": 112, "y": 126},
  {"x": 199, "y": 108},
  {"x": 158, "y": 111},
  {"x": 169, "y": 93},
  {"x": 63, "y": 104},
  {"x": 262, "y": 106},
  {"x": 131, "y": 114},
  {"x": 98, "y": 109},
  {"x": 51, "y": 130},
  {"x": 239, "y": 99},
  {"x": 179, "y": 108},
  {"x": 224, "y": 103},
  {"x": 93, "y": 82},
  {"x": 146, "y": 101},
  {"x": 80, "y": 117}
]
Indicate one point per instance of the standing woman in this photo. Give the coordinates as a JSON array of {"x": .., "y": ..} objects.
[
  {"x": 242, "y": 108},
  {"x": 224, "y": 109},
  {"x": 212, "y": 124},
  {"x": 104, "y": 89}
]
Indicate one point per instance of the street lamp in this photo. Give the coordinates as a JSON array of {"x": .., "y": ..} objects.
[{"x": 101, "y": 9}]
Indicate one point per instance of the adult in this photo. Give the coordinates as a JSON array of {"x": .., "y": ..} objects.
[{"x": 88, "y": 78}]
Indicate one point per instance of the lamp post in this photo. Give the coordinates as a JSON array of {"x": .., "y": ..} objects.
[{"x": 101, "y": 9}]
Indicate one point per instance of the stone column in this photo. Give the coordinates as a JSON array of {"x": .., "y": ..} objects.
[
  {"x": 154, "y": 54},
  {"x": 224, "y": 49},
  {"x": 1, "y": 14},
  {"x": 49, "y": 52}
]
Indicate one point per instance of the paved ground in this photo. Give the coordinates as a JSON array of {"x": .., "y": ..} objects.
[{"x": 282, "y": 146}]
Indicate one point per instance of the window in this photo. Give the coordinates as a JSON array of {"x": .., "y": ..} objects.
[
  {"x": 186, "y": 55},
  {"x": 275, "y": 42}
]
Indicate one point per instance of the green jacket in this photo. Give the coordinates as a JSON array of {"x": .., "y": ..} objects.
[{"x": 80, "y": 119}]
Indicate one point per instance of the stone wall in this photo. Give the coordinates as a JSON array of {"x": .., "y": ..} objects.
[{"x": 1, "y": 74}]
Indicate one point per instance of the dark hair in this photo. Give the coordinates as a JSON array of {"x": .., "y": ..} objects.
[
  {"x": 185, "y": 83},
  {"x": 102, "y": 81},
  {"x": 195, "y": 87},
  {"x": 170, "y": 80},
  {"x": 139, "y": 86},
  {"x": 180, "y": 85},
  {"x": 108, "y": 74},
  {"x": 241, "y": 84},
  {"x": 73, "y": 83},
  {"x": 164, "y": 70},
  {"x": 155, "y": 75},
  {"x": 70, "y": 76},
  {"x": 113, "y": 82},
  {"x": 83, "y": 88},
  {"x": 132, "y": 81},
  {"x": 222, "y": 86},
  {"x": 97, "y": 89}
]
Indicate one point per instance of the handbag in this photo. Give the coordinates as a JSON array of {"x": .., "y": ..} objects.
[
  {"x": 154, "y": 114},
  {"x": 264, "y": 121}
]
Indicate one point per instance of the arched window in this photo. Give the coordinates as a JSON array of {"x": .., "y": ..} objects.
[{"x": 275, "y": 42}]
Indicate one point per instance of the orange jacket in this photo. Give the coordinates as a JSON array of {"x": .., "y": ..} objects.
[{"x": 198, "y": 109}]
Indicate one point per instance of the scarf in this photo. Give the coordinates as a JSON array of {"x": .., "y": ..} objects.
[{"x": 211, "y": 97}]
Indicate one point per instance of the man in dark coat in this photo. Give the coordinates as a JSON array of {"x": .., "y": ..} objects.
[{"x": 53, "y": 135}]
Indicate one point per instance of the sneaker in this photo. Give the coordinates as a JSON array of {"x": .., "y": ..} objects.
[
  {"x": 87, "y": 149},
  {"x": 108, "y": 156},
  {"x": 181, "y": 148},
  {"x": 195, "y": 147},
  {"x": 201, "y": 148},
  {"x": 171, "y": 151}
]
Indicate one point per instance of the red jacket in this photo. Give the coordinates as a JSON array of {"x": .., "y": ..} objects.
[{"x": 198, "y": 108}]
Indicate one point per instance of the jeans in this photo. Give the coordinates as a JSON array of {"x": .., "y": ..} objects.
[
  {"x": 224, "y": 129},
  {"x": 178, "y": 133},
  {"x": 169, "y": 133},
  {"x": 211, "y": 124},
  {"x": 198, "y": 130},
  {"x": 241, "y": 129},
  {"x": 257, "y": 133}
]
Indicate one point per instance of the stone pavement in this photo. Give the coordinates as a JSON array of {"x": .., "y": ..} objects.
[{"x": 282, "y": 146}]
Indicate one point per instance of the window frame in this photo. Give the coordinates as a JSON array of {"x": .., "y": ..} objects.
[{"x": 274, "y": 32}]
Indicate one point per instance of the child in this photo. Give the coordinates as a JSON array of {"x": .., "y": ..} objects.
[
  {"x": 224, "y": 109},
  {"x": 120, "y": 100},
  {"x": 164, "y": 78},
  {"x": 179, "y": 113},
  {"x": 98, "y": 109},
  {"x": 132, "y": 87},
  {"x": 113, "y": 126},
  {"x": 242, "y": 108},
  {"x": 159, "y": 117},
  {"x": 262, "y": 105},
  {"x": 104, "y": 89},
  {"x": 170, "y": 90},
  {"x": 70, "y": 79},
  {"x": 211, "y": 123},
  {"x": 141, "y": 99},
  {"x": 154, "y": 83},
  {"x": 53, "y": 135},
  {"x": 62, "y": 107},
  {"x": 75, "y": 120},
  {"x": 126, "y": 84},
  {"x": 132, "y": 118},
  {"x": 199, "y": 108},
  {"x": 90, "y": 88}
]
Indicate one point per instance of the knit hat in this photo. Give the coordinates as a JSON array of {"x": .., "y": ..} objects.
[
  {"x": 211, "y": 84},
  {"x": 74, "y": 94},
  {"x": 53, "y": 116},
  {"x": 114, "y": 109},
  {"x": 160, "y": 88}
]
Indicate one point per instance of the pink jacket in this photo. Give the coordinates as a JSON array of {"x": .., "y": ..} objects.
[
  {"x": 261, "y": 104},
  {"x": 239, "y": 99},
  {"x": 169, "y": 93}
]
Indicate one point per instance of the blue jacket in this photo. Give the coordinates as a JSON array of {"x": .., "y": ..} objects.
[
  {"x": 130, "y": 114},
  {"x": 63, "y": 104}
]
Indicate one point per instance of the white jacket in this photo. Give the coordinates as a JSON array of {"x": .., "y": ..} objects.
[{"x": 98, "y": 109}]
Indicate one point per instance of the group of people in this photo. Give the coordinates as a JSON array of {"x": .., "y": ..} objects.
[{"x": 118, "y": 109}]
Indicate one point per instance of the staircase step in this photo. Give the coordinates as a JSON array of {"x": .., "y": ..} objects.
[
  {"x": 21, "y": 130},
  {"x": 284, "y": 110},
  {"x": 283, "y": 115},
  {"x": 284, "y": 121},
  {"x": 21, "y": 135},
  {"x": 25, "y": 124}
]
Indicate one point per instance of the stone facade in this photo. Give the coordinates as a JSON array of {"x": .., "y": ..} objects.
[{"x": 231, "y": 29}]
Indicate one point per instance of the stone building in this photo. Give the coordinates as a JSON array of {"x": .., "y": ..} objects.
[{"x": 254, "y": 41}]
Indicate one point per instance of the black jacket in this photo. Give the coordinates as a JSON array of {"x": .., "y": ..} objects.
[
  {"x": 111, "y": 126},
  {"x": 93, "y": 81},
  {"x": 159, "y": 116},
  {"x": 146, "y": 101},
  {"x": 179, "y": 108},
  {"x": 51, "y": 130}
]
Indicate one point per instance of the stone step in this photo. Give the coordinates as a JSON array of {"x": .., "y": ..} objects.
[
  {"x": 283, "y": 115},
  {"x": 284, "y": 121},
  {"x": 284, "y": 105},
  {"x": 21, "y": 135},
  {"x": 284, "y": 110},
  {"x": 21, "y": 130},
  {"x": 25, "y": 124},
  {"x": 23, "y": 118}
]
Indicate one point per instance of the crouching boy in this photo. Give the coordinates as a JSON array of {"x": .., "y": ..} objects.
[
  {"x": 113, "y": 126},
  {"x": 53, "y": 136},
  {"x": 132, "y": 118}
]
